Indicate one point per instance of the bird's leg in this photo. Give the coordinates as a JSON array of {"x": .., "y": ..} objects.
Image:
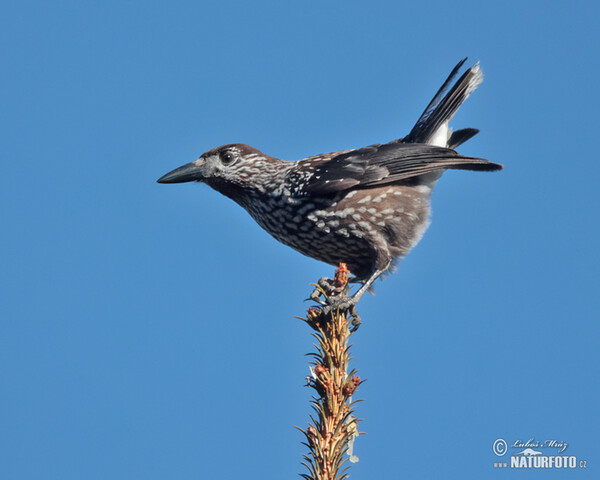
[
  {"x": 365, "y": 286},
  {"x": 346, "y": 302}
]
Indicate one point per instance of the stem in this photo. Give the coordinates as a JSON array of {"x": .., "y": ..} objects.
[{"x": 332, "y": 433}]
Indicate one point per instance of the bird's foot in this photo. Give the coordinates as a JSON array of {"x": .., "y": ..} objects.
[
  {"x": 326, "y": 287},
  {"x": 343, "y": 303},
  {"x": 335, "y": 299}
]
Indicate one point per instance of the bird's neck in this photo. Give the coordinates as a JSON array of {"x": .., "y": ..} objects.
[
  {"x": 265, "y": 178},
  {"x": 234, "y": 191}
]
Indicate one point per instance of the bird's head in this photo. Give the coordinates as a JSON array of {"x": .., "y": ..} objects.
[{"x": 229, "y": 169}]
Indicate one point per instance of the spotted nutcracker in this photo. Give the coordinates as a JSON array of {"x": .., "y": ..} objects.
[{"x": 365, "y": 207}]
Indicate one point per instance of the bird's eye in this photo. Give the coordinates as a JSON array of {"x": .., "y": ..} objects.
[{"x": 226, "y": 157}]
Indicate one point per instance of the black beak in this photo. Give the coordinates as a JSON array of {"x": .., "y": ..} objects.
[{"x": 190, "y": 172}]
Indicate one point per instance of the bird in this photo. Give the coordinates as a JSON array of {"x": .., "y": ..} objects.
[{"x": 365, "y": 207}]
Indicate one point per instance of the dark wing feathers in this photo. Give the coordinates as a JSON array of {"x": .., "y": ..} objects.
[
  {"x": 407, "y": 157},
  {"x": 389, "y": 163}
]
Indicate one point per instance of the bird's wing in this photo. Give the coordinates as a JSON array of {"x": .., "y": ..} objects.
[{"x": 389, "y": 163}]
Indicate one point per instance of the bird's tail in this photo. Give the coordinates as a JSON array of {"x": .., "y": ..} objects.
[{"x": 432, "y": 126}]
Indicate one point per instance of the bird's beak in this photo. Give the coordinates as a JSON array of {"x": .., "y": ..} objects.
[{"x": 190, "y": 172}]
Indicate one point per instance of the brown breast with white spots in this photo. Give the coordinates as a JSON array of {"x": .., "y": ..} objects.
[{"x": 365, "y": 228}]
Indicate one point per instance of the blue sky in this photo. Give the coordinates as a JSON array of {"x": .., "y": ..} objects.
[{"x": 147, "y": 330}]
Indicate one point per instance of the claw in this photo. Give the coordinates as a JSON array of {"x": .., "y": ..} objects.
[
  {"x": 314, "y": 299},
  {"x": 325, "y": 286},
  {"x": 333, "y": 291},
  {"x": 316, "y": 296},
  {"x": 356, "y": 320}
]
